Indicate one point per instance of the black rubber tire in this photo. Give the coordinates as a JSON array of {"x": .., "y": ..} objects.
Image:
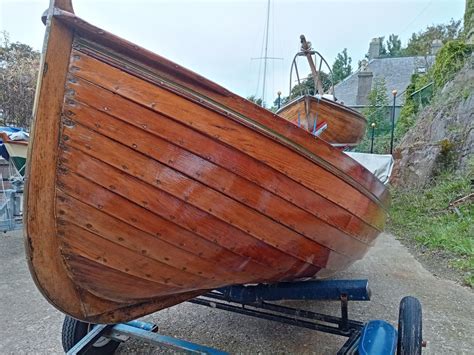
[
  {"x": 410, "y": 324},
  {"x": 74, "y": 330}
]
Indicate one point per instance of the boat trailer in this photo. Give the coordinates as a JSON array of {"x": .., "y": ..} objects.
[{"x": 373, "y": 337}]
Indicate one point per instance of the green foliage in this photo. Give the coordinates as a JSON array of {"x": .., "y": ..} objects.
[
  {"x": 449, "y": 61},
  {"x": 19, "y": 65},
  {"x": 255, "y": 100},
  {"x": 420, "y": 43},
  {"x": 415, "y": 100},
  {"x": 341, "y": 68},
  {"x": 307, "y": 85},
  {"x": 446, "y": 157},
  {"x": 424, "y": 217},
  {"x": 378, "y": 112},
  {"x": 469, "y": 16},
  {"x": 383, "y": 50},
  {"x": 377, "y": 108},
  {"x": 394, "y": 45}
]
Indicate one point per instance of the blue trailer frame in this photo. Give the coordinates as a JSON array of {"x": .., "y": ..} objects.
[{"x": 373, "y": 337}]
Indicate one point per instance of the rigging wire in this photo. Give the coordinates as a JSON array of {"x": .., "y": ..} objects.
[
  {"x": 416, "y": 17},
  {"x": 260, "y": 64}
]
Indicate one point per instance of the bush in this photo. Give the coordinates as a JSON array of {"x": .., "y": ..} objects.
[{"x": 449, "y": 61}]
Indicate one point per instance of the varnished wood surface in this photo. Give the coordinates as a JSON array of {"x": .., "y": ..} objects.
[
  {"x": 346, "y": 127},
  {"x": 159, "y": 70},
  {"x": 162, "y": 185}
]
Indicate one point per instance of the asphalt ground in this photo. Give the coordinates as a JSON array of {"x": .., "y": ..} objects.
[{"x": 29, "y": 324}]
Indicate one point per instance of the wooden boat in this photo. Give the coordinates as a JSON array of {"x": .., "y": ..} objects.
[
  {"x": 17, "y": 151},
  {"x": 148, "y": 185},
  {"x": 337, "y": 124}
]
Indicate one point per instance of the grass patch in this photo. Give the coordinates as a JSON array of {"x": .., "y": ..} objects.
[{"x": 423, "y": 217}]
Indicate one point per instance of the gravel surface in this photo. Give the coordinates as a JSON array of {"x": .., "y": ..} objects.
[{"x": 28, "y": 324}]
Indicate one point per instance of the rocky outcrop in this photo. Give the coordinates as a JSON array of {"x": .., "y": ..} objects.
[{"x": 443, "y": 136}]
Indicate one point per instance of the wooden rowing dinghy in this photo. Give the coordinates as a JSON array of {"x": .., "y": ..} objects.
[
  {"x": 320, "y": 114},
  {"x": 337, "y": 124},
  {"x": 149, "y": 185}
]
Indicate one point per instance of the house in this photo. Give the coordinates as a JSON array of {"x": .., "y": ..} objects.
[{"x": 353, "y": 91}]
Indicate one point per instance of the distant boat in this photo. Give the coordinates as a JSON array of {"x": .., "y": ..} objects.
[
  {"x": 148, "y": 185},
  {"x": 320, "y": 114},
  {"x": 16, "y": 151}
]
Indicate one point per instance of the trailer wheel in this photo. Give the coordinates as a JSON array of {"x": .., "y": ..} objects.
[
  {"x": 409, "y": 327},
  {"x": 74, "y": 330}
]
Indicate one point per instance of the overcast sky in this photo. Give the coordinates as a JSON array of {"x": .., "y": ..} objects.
[{"x": 218, "y": 38}]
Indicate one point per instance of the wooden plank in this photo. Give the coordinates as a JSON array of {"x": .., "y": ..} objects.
[
  {"x": 135, "y": 216},
  {"x": 92, "y": 275},
  {"x": 227, "y": 131},
  {"x": 222, "y": 129},
  {"x": 212, "y": 175},
  {"x": 152, "y": 64},
  {"x": 276, "y": 262},
  {"x": 175, "y": 183},
  {"x": 84, "y": 243},
  {"x": 219, "y": 219},
  {"x": 213, "y": 154},
  {"x": 79, "y": 214}
]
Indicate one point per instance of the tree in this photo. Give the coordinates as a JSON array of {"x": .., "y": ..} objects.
[
  {"x": 394, "y": 45},
  {"x": 383, "y": 50},
  {"x": 255, "y": 100},
  {"x": 420, "y": 43},
  {"x": 307, "y": 85},
  {"x": 341, "y": 68},
  {"x": 19, "y": 65},
  {"x": 377, "y": 111},
  {"x": 377, "y": 108}
]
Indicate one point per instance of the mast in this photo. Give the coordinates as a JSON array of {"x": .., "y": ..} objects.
[
  {"x": 306, "y": 49},
  {"x": 265, "y": 58}
]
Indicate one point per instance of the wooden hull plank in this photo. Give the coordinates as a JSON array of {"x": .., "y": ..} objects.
[
  {"x": 155, "y": 198},
  {"x": 145, "y": 62},
  {"x": 189, "y": 253},
  {"x": 138, "y": 242},
  {"x": 188, "y": 217},
  {"x": 213, "y": 156},
  {"x": 149, "y": 170},
  {"x": 229, "y": 132}
]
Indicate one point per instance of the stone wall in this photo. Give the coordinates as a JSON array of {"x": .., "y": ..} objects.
[{"x": 443, "y": 136}]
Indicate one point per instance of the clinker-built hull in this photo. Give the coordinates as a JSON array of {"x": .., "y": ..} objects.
[{"x": 148, "y": 185}]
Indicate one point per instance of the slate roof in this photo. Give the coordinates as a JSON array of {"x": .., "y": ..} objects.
[{"x": 397, "y": 72}]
